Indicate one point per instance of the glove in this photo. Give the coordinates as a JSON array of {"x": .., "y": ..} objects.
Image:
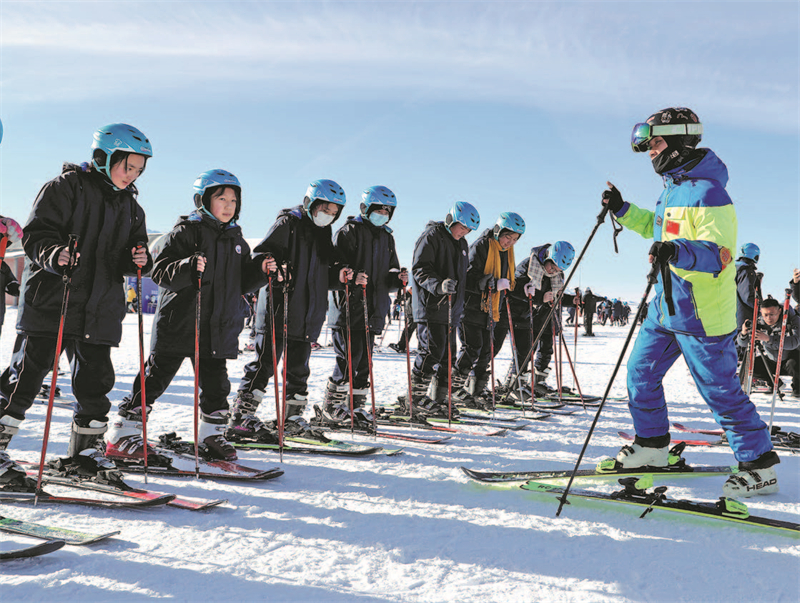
[
  {"x": 613, "y": 198},
  {"x": 663, "y": 252},
  {"x": 487, "y": 281},
  {"x": 448, "y": 286},
  {"x": 503, "y": 284},
  {"x": 529, "y": 289},
  {"x": 11, "y": 228}
]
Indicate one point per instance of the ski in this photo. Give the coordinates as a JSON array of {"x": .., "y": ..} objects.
[
  {"x": 635, "y": 493},
  {"x": 515, "y": 477},
  {"x": 47, "y": 498},
  {"x": 480, "y": 422},
  {"x": 405, "y": 421},
  {"x": 723, "y": 443},
  {"x": 43, "y": 548},
  {"x": 126, "y": 490},
  {"x": 36, "y": 530},
  {"x": 790, "y": 438},
  {"x": 313, "y": 446},
  {"x": 488, "y": 415}
]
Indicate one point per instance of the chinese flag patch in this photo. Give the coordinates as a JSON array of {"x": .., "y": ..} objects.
[
  {"x": 725, "y": 256},
  {"x": 673, "y": 227}
]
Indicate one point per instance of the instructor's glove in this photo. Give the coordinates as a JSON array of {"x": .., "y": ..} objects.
[
  {"x": 613, "y": 198},
  {"x": 487, "y": 281},
  {"x": 663, "y": 252},
  {"x": 448, "y": 286}
]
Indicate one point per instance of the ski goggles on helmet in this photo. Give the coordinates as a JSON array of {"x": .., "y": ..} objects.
[{"x": 643, "y": 133}]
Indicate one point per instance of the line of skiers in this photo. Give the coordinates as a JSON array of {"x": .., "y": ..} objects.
[{"x": 457, "y": 288}]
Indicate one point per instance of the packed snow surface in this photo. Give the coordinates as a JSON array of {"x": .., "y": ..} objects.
[{"x": 412, "y": 527}]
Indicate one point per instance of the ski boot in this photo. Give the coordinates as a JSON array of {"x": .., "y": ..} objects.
[
  {"x": 754, "y": 477},
  {"x": 211, "y": 436},
  {"x": 13, "y": 477},
  {"x": 481, "y": 396},
  {"x": 86, "y": 454},
  {"x": 244, "y": 425},
  {"x": 645, "y": 452},
  {"x": 8, "y": 427},
  {"x": 540, "y": 388},
  {"x": 124, "y": 441}
]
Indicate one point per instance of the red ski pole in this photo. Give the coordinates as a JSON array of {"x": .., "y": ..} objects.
[
  {"x": 751, "y": 352},
  {"x": 369, "y": 357},
  {"x": 196, "y": 372},
  {"x": 777, "y": 380},
  {"x": 408, "y": 354},
  {"x": 275, "y": 363},
  {"x": 282, "y": 418},
  {"x": 141, "y": 359},
  {"x": 349, "y": 356},
  {"x": 449, "y": 359},
  {"x": 515, "y": 355},
  {"x": 67, "y": 278}
]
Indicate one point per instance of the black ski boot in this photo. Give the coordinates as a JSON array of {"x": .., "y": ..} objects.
[{"x": 244, "y": 426}]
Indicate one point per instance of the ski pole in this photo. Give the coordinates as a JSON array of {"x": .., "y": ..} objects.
[
  {"x": 557, "y": 361},
  {"x": 491, "y": 342},
  {"x": 349, "y": 356},
  {"x": 577, "y": 313},
  {"x": 515, "y": 355},
  {"x": 572, "y": 367},
  {"x": 600, "y": 219},
  {"x": 751, "y": 352},
  {"x": 780, "y": 356},
  {"x": 408, "y": 353},
  {"x": 199, "y": 277},
  {"x": 369, "y": 357},
  {"x": 449, "y": 359},
  {"x": 141, "y": 359},
  {"x": 275, "y": 364},
  {"x": 282, "y": 418},
  {"x": 67, "y": 278},
  {"x": 652, "y": 279}
]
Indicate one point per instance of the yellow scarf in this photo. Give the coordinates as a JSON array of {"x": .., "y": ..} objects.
[{"x": 493, "y": 267}]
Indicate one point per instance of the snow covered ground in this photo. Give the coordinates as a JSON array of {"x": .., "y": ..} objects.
[{"x": 412, "y": 527}]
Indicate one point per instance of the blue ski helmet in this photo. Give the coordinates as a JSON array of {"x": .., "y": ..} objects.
[
  {"x": 212, "y": 179},
  {"x": 561, "y": 253},
  {"x": 324, "y": 191},
  {"x": 465, "y": 214},
  {"x": 375, "y": 197},
  {"x": 117, "y": 137},
  {"x": 508, "y": 220},
  {"x": 750, "y": 251}
]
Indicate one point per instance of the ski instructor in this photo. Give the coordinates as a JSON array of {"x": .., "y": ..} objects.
[{"x": 694, "y": 228}]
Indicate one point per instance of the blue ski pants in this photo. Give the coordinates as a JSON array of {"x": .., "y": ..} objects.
[{"x": 712, "y": 364}]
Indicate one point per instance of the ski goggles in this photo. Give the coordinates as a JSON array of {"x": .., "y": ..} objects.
[{"x": 643, "y": 133}]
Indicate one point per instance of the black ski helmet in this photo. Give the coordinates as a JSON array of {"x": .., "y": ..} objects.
[{"x": 673, "y": 116}]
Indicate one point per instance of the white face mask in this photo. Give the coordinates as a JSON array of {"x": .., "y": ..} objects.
[
  {"x": 378, "y": 219},
  {"x": 322, "y": 219}
]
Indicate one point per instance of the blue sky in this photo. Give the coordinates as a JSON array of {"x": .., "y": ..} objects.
[{"x": 523, "y": 107}]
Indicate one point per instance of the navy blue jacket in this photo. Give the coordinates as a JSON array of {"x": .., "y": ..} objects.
[
  {"x": 109, "y": 223},
  {"x": 367, "y": 248},
  {"x": 294, "y": 238},
  {"x": 438, "y": 256},
  {"x": 745, "y": 290},
  {"x": 230, "y": 273}
]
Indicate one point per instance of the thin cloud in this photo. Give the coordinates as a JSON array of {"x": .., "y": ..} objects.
[{"x": 574, "y": 57}]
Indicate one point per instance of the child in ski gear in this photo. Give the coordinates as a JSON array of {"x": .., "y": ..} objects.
[
  {"x": 768, "y": 338},
  {"x": 439, "y": 271},
  {"x": 300, "y": 240},
  {"x": 489, "y": 276},
  {"x": 746, "y": 277},
  {"x": 10, "y": 233},
  {"x": 207, "y": 245},
  {"x": 366, "y": 244},
  {"x": 98, "y": 203},
  {"x": 540, "y": 276},
  {"x": 409, "y": 326},
  {"x": 694, "y": 226}
]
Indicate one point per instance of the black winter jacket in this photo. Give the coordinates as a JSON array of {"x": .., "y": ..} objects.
[
  {"x": 294, "y": 238},
  {"x": 438, "y": 256},
  {"x": 478, "y": 252},
  {"x": 745, "y": 290},
  {"x": 109, "y": 224},
  {"x": 230, "y": 273},
  {"x": 367, "y": 248}
]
